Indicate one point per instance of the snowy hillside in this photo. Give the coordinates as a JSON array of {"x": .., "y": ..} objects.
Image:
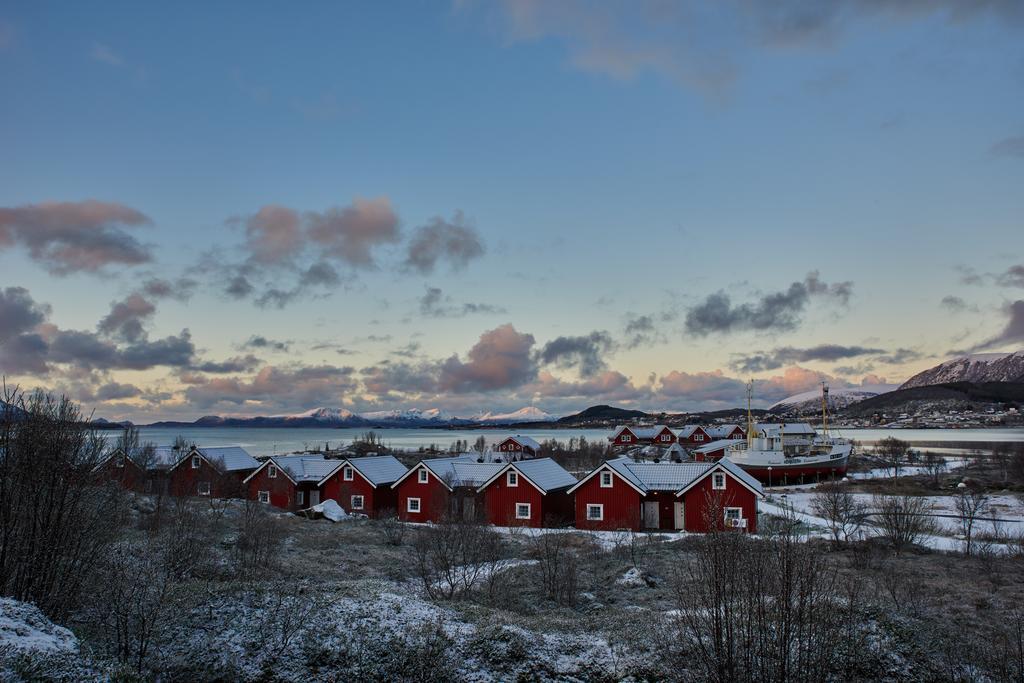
[
  {"x": 322, "y": 415},
  {"x": 527, "y": 414},
  {"x": 978, "y": 367},
  {"x": 839, "y": 397},
  {"x": 409, "y": 416}
]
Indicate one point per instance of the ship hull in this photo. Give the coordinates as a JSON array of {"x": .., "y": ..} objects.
[{"x": 797, "y": 472}]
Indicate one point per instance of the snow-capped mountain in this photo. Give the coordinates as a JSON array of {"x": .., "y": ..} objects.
[
  {"x": 321, "y": 414},
  {"x": 978, "y": 367},
  {"x": 410, "y": 416},
  {"x": 527, "y": 414},
  {"x": 838, "y": 398}
]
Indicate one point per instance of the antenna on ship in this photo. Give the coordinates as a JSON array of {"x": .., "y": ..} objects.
[
  {"x": 824, "y": 409},
  {"x": 750, "y": 417}
]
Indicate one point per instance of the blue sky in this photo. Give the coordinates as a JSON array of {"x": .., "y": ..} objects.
[{"x": 640, "y": 203}]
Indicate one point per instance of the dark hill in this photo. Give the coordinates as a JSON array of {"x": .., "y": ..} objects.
[
  {"x": 595, "y": 413},
  {"x": 953, "y": 395}
]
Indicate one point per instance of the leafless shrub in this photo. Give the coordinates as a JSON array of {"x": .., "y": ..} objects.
[
  {"x": 904, "y": 590},
  {"x": 557, "y": 566},
  {"x": 452, "y": 556},
  {"x": 934, "y": 466},
  {"x": 841, "y": 509},
  {"x": 259, "y": 540},
  {"x": 969, "y": 504},
  {"x": 391, "y": 528},
  {"x": 285, "y": 610},
  {"x": 903, "y": 520},
  {"x": 56, "y": 520},
  {"x": 893, "y": 453}
]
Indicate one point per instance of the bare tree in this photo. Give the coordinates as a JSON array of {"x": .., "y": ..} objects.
[
  {"x": 845, "y": 515},
  {"x": 970, "y": 503},
  {"x": 451, "y": 556},
  {"x": 391, "y": 527},
  {"x": 903, "y": 520},
  {"x": 934, "y": 466},
  {"x": 259, "y": 541},
  {"x": 56, "y": 523},
  {"x": 557, "y": 565},
  {"x": 480, "y": 445},
  {"x": 894, "y": 453}
]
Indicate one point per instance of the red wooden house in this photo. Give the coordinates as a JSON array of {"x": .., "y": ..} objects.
[
  {"x": 693, "y": 435},
  {"x": 517, "y": 447},
  {"x": 290, "y": 482},
  {"x": 658, "y": 435},
  {"x": 217, "y": 472},
  {"x": 718, "y": 432},
  {"x": 121, "y": 469},
  {"x": 530, "y": 493},
  {"x": 696, "y": 497},
  {"x": 437, "y": 487},
  {"x": 363, "y": 485}
]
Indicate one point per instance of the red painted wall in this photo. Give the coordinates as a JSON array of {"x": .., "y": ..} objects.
[
  {"x": 665, "y": 437},
  {"x": 621, "y": 504},
  {"x": 619, "y": 441},
  {"x": 282, "y": 490},
  {"x": 184, "y": 480},
  {"x": 376, "y": 501},
  {"x": 128, "y": 475},
  {"x": 696, "y": 502},
  {"x": 694, "y": 438},
  {"x": 500, "y": 502},
  {"x": 433, "y": 498},
  {"x": 509, "y": 445}
]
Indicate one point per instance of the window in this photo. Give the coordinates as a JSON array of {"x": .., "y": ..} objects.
[
  {"x": 263, "y": 496},
  {"x": 204, "y": 488},
  {"x": 346, "y": 473},
  {"x": 422, "y": 474},
  {"x": 512, "y": 478},
  {"x": 195, "y": 462},
  {"x": 300, "y": 497},
  {"x": 606, "y": 479},
  {"x": 272, "y": 472},
  {"x": 595, "y": 513},
  {"x": 149, "y": 486},
  {"x": 698, "y": 437},
  {"x": 734, "y": 513},
  {"x": 718, "y": 481},
  {"x": 119, "y": 461},
  {"x": 357, "y": 502},
  {"x": 666, "y": 437},
  {"x": 626, "y": 438},
  {"x": 412, "y": 505},
  {"x": 522, "y": 510}
]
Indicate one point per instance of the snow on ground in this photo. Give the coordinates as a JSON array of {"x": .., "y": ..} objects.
[
  {"x": 330, "y": 510},
  {"x": 906, "y": 470},
  {"x": 607, "y": 540},
  {"x": 24, "y": 627},
  {"x": 467, "y": 576}
]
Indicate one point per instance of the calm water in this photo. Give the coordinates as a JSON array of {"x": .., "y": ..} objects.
[{"x": 279, "y": 440}]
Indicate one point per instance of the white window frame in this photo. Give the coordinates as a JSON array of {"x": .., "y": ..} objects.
[
  {"x": 271, "y": 471},
  {"x": 347, "y": 474},
  {"x": 529, "y": 510},
  {"x": 196, "y": 461},
  {"x": 599, "y": 507},
  {"x": 352, "y": 502},
  {"x": 199, "y": 488},
  {"x": 263, "y": 496},
  {"x": 738, "y": 514},
  {"x": 512, "y": 479},
  {"x": 300, "y": 497},
  {"x": 698, "y": 437},
  {"x": 409, "y": 505},
  {"x": 611, "y": 479},
  {"x": 422, "y": 476},
  {"x": 626, "y": 438},
  {"x": 717, "y": 477}
]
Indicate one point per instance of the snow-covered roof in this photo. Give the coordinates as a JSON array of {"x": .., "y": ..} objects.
[
  {"x": 545, "y": 473},
  {"x": 524, "y": 441},
  {"x": 642, "y": 432},
  {"x": 379, "y": 469},
  {"x": 720, "y": 431},
  {"x": 716, "y": 445},
  {"x": 306, "y": 467},
  {"x": 233, "y": 458},
  {"x": 672, "y": 476},
  {"x": 741, "y": 474},
  {"x": 686, "y": 431},
  {"x": 789, "y": 428},
  {"x": 162, "y": 458}
]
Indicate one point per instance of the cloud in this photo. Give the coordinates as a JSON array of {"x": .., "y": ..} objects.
[
  {"x": 387, "y": 378},
  {"x": 609, "y": 385},
  {"x": 899, "y": 356},
  {"x": 434, "y": 304},
  {"x": 320, "y": 274},
  {"x": 586, "y": 353},
  {"x": 19, "y": 313},
  {"x": 273, "y": 235},
  {"x": 954, "y": 304},
  {"x": 245, "y": 363},
  {"x": 1012, "y": 277},
  {"x": 258, "y": 341},
  {"x": 126, "y": 318},
  {"x": 112, "y": 391},
  {"x": 180, "y": 289},
  {"x": 501, "y": 359},
  {"x": 775, "y": 312},
  {"x": 277, "y": 388},
  {"x": 715, "y": 389},
  {"x": 1008, "y": 147},
  {"x": 779, "y": 357},
  {"x": 239, "y": 287},
  {"x": 69, "y": 237},
  {"x": 106, "y": 55},
  {"x": 351, "y": 234},
  {"x": 1013, "y": 332},
  {"x": 453, "y": 242}
]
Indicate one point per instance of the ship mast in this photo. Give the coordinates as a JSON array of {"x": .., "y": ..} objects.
[
  {"x": 750, "y": 417},
  {"x": 824, "y": 409}
]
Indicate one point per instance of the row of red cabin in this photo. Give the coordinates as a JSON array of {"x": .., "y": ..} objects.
[{"x": 661, "y": 435}]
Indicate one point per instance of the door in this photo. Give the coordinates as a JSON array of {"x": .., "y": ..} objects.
[
  {"x": 650, "y": 515},
  {"x": 680, "y": 522},
  {"x": 314, "y": 498}
]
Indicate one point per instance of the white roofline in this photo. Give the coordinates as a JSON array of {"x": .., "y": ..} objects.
[
  {"x": 191, "y": 452},
  {"x": 335, "y": 470},
  {"x": 610, "y": 469},
  {"x": 276, "y": 464},
  {"x": 719, "y": 466},
  {"x": 490, "y": 481},
  {"x": 416, "y": 467}
]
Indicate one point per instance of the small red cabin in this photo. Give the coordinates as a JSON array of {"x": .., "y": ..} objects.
[
  {"x": 623, "y": 494},
  {"x": 122, "y": 470},
  {"x": 658, "y": 435},
  {"x": 518, "y": 447},
  {"x": 437, "y": 487},
  {"x": 363, "y": 485},
  {"x": 216, "y": 472},
  {"x": 291, "y": 482},
  {"x": 718, "y": 432},
  {"x": 530, "y": 493},
  {"x": 693, "y": 435}
]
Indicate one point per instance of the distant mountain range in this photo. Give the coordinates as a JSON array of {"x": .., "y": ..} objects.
[
  {"x": 838, "y": 398},
  {"x": 940, "y": 397},
  {"x": 978, "y": 368},
  {"x": 339, "y": 417}
]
